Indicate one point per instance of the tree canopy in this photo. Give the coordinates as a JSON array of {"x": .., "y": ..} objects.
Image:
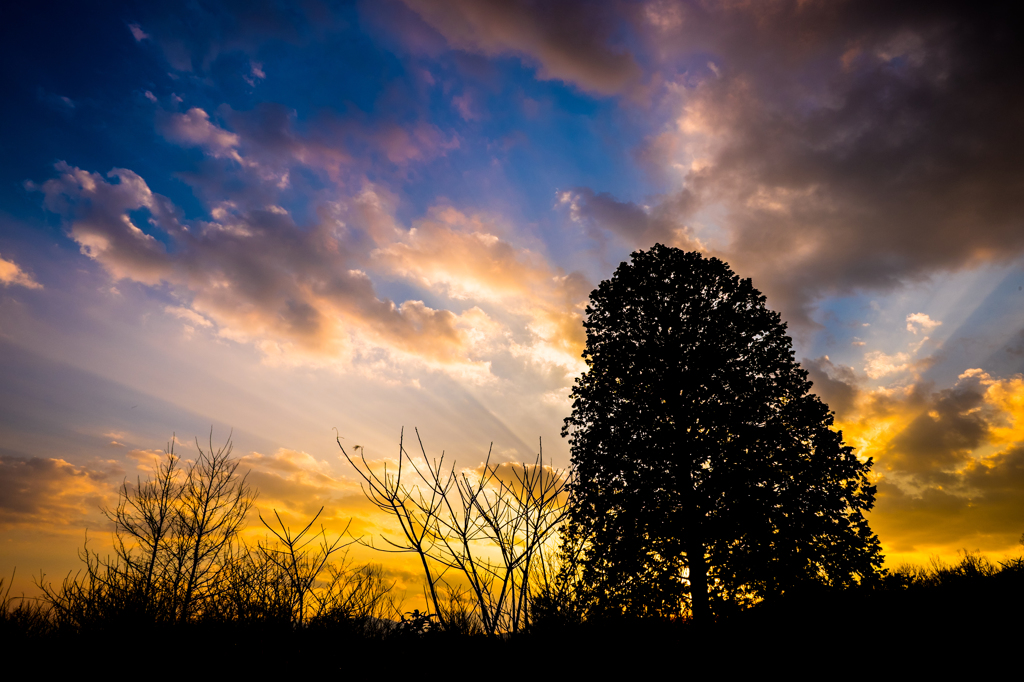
[{"x": 705, "y": 473}]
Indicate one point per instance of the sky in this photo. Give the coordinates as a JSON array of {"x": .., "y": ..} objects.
[{"x": 287, "y": 223}]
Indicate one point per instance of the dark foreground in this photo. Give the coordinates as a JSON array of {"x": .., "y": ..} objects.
[{"x": 970, "y": 616}]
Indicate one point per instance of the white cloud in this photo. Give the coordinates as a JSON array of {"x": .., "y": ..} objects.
[
  {"x": 256, "y": 73},
  {"x": 193, "y": 128},
  {"x": 188, "y": 315},
  {"x": 878, "y": 364},
  {"x": 306, "y": 295},
  {"x": 926, "y": 324}
]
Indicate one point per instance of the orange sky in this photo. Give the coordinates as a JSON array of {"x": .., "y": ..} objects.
[{"x": 369, "y": 216}]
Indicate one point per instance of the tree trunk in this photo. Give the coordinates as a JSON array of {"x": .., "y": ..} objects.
[
  {"x": 694, "y": 547},
  {"x": 698, "y": 579}
]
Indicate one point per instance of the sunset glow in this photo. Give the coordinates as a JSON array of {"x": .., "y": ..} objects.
[{"x": 297, "y": 222}]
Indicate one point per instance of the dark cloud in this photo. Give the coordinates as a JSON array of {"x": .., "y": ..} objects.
[
  {"x": 942, "y": 438},
  {"x": 269, "y": 134},
  {"x": 836, "y": 385},
  {"x": 985, "y": 511},
  {"x": 570, "y": 40},
  {"x": 949, "y": 464},
  {"x": 844, "y": 144},
  {"x": 262, "y": 155},
  {"x": 635, "y": 224},
  {"x": 52, "y": 491},
  {"x": 294, "y": 482}
]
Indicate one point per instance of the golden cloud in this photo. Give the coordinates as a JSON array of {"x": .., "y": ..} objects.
[
  {"x": 949, "y": 464},
  {"x": 462, "y": 257},
  {"x": 53, "y": 493}
]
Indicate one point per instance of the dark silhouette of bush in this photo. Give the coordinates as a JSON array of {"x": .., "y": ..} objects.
[
  {"x": 178, "y": 563},
  {"x": 297, "y": 605},
  {"x": 175, "y": 545},
  {"x": 21, "y": 619}
]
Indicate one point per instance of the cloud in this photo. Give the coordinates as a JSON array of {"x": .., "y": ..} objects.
[
  {"x": 662, "y": 223},
  {"x": 254, "y": 272},
  {"x": 941, "y": 438},
  {"x": 922, "y": 321},
  {"x": 138, "y": 33},
  {"x": 12, "y": 275},
  {"x": 147, "y": 461},
  {"x": 188, "y": 315},
  {"x": 53, "y": 492},
  {"x": 986, "y": 511},
  {"x": 460, "y": 256},
  {"x": 878, "y": 364},
  {"x": 256, "y": 73},
  {"x": 296, "y": 486},
  {"x": 193, "y": 36},
  {"x": 295, "y": 482},
  {"x": 307, "y": 294},
  {"x": 948, "y": 464},
  {"x": 466, "y": 106},
  {"x": 837, "y": 146},
  {"x": 568, "y": 40},
  {"x": 265, "y": 152},
  {"x": 834, "y": 384},
  {"x": 98, "y": 211},
  {"x": 194, "y": 129},
  {"x": 521, "y": 477}
]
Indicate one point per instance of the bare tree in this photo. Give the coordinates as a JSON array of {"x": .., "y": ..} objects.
[
  {"x": 178, "y": 558},
  {"x": 144, "y": 519},
  {"x": 210, "y": 512},
  {"x": 300, "y": 566},
  {"x": 415, "y": 512},
  {"x": 174, "y": 536},
  {"x": 487, "y": 531}
]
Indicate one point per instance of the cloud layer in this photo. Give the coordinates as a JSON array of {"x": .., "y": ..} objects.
[
  {"x": 948, "y": 462},
  {"x": 823, "y": 147},
  {"x": 404, "y": 193},
  {"x": 302, "y": 293},
  {"x": 53, "y": 493},
  {"x": 568, "y": 40}
]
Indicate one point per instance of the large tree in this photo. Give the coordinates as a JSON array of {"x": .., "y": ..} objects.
[{"x": 704, "y": 471}]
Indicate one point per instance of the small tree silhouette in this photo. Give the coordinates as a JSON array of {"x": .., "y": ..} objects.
[
  {"x": 178, "y": 560},
  {"x": 456, "y": 523},
  {"x": 174, "y": 537},
  {"x": 300, "y": 566}
]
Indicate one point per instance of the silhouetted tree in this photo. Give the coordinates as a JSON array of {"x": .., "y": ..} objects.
[
  {"x": 301, "y": 566},
  {"x": 490, "y": 531},
  {"x": 146, "y": 516},
  {"x": 704, "y": 471},
  {"x": 210, "y": 512},
  {"x": 179, "y": 560},
  {"x": 174, "y": 538}
]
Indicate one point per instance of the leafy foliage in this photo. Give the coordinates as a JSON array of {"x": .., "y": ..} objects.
[{"x": 705, "y": 474}]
